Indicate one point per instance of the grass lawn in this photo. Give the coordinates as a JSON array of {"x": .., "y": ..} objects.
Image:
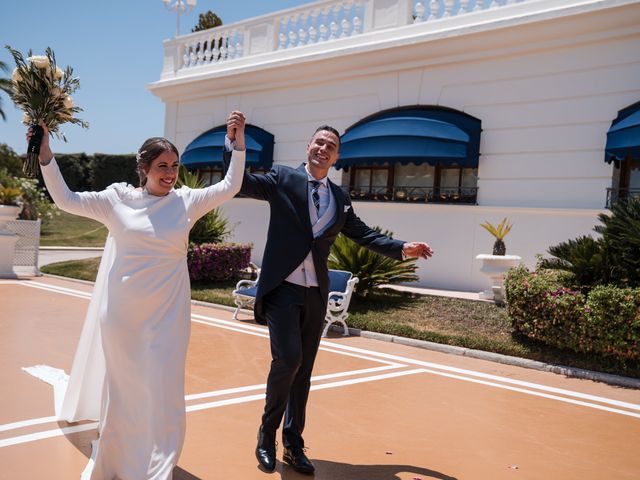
[
  {"x": 72, "y": 231},
  {"x": 451, "y": 321}
]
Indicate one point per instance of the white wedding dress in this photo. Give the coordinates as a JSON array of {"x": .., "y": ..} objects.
[{"x": 137, "y": 326}]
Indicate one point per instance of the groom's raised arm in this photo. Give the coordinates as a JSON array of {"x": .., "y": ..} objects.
[{"x": 260, "y": 187}]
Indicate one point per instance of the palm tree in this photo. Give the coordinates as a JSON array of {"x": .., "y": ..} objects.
[{"x": 5, "y": 86}]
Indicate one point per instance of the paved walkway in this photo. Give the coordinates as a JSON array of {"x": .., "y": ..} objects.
[
  {"x": 49, "y": 255},
  {"x": 377, "y": 411}
]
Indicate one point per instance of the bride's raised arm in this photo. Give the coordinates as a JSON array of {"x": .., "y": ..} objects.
[
  {"x": 206, "y": 199},
  {"x": 95, "y": 205}
]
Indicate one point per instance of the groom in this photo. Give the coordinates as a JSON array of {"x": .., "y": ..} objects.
[{"x": 308, "y": 211}]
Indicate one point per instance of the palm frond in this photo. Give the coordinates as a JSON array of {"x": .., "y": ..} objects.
[
  {"x": 500, "y": 231},
  {"x": 371, "y": 268}
]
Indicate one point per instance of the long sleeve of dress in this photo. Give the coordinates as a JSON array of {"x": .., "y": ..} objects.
[
  {"x": 203, "y": 200},
  {"x": 95, "y": 205}
]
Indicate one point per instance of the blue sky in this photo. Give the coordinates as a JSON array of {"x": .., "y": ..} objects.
[{"x": 115, "y": 47}]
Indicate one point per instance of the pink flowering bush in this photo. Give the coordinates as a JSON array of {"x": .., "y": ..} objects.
[
  {"x": 603, "y": 321},
  {"x": 217, "y": 261}
]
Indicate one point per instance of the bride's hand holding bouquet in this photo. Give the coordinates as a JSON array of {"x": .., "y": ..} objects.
[{"x": 42, "y": 90}]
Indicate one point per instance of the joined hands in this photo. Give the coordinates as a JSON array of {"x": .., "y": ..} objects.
[{"x": 235, "y": 129}]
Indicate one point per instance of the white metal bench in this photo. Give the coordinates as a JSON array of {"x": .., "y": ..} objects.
[
  {"x": 27, "y": 246},
  {"x": 341, "y": 286}
]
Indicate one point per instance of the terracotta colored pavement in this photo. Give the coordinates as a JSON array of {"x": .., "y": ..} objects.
[{"x": 377, "y": 410}]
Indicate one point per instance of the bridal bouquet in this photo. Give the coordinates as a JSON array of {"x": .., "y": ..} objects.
[{"x": 42, "y": 90}]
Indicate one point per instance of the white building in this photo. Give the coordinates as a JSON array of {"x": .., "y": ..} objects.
[{"x": 545, "y": 79}]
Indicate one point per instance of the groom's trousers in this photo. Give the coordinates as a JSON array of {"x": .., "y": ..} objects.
[{"x": 295, "y": 316}]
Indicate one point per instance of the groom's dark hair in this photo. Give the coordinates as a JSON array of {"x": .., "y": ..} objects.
[{"x": 329, "y": 128}]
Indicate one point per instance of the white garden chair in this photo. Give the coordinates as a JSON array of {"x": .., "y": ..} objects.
[{"x": 341, "y": 286}]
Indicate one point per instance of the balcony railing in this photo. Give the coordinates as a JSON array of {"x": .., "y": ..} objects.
[
  {"x": 317, "y": 22},
  {"x": 614, "y": 195},
  {"x": 463, "y": 195}
]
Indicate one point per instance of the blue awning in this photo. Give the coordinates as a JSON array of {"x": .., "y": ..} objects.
[
  {"x": 623, "y": 138},
  {"x": 206, "y": 150},
  {"x": 415, "y": 135}
]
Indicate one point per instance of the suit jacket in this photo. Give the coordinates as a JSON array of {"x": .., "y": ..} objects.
[{"x": 290, "y": 236}]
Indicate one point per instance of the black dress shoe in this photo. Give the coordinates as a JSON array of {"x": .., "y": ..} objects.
[
  {"x": 296, "y": 457},
  {"x": 266, "y": 451}
]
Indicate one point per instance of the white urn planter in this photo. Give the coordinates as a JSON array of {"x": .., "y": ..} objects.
[
  {"x": 495, "y": 267},
  {"x": 8, "y": 240}
]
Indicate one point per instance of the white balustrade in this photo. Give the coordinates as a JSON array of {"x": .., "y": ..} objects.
[
  {"x": 429, "y": 10},
  {"x": 321, "y": 21}
]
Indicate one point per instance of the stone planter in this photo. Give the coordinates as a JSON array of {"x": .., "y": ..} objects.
[
  {"x": 8, "y": 240},
  {"x": 495, "y": 267}
]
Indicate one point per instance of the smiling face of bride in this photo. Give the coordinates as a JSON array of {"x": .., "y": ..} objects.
[
  {"x": 158, "y": 164},
  {"x": 162, "y": 174}
]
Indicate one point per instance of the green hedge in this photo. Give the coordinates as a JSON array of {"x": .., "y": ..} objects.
[
  {"x": 604, "y": 321},
  {"x": 107, "y": 169},
  {"x": 95, "y": 172}
]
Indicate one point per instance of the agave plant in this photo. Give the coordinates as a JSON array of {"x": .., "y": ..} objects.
[
  {"x": 499, "y": 232},
  {"x": 371, "y": 268},
  {"x": 214, "y": 226}
]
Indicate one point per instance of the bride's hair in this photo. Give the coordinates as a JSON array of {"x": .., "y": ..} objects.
[{"x": 151, "y": 149}]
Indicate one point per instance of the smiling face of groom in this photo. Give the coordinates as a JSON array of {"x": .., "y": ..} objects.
[{"x": 323, "y": 152}]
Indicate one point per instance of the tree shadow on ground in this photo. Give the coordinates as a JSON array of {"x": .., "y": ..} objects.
[{"x": 326, "y": 470}]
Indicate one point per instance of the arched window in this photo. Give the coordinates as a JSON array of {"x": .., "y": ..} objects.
[
  {"x": 204, "y": 154},
  {"x": 623, "y": 148},
  {"x": 418, "y": 154}
]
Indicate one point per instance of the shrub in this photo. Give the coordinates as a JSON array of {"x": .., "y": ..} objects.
[
  {"x": 25, "y": 192},
  {"x": 613, "y": 259},
  {"x": 35, "y": 202},
  {"x": 371, "y": 268},
  {"x": 583, "y": 258},
  {"x": 10, "y": 161},
  {"x": 76, "y": 170},
  {"x": 107, "y": 169},
  {"x": 613, "y": 321},
  {"x": 217, "y": 262},
  {"x": 605, "y": 322},
  {"x": 621, "y": 236}
]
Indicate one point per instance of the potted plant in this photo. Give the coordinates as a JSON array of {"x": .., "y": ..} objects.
[
  {"x": 499, "y": 232},
  {"x": 496, "y": 265},
  {"x": 10, "y": 197},
  {"x": 10, "y": 203}
]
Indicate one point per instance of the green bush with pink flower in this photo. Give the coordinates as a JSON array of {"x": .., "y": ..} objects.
[
  {"x": 603, "y": 321},
  {"x": 586, "y": 297},
  {"x": 217, "y": 262}
]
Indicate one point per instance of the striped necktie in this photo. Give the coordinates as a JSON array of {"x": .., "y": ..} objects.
[{"x": 315, "y": 196}]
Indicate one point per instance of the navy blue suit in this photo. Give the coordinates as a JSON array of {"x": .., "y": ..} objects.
[{"x": 295, "y": 314}]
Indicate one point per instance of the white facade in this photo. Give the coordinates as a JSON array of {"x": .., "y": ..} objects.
[{"x": 546, "y": 78}]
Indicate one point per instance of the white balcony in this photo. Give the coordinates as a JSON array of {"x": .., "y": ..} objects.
[{"x": 329, "y": 28}]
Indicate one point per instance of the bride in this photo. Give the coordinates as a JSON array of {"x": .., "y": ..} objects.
[{"x": 128, "y": 371}]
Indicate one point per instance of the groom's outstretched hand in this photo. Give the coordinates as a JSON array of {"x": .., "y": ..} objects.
[
  {"x": 235, "y": 129},
  {"x": 417, "y": 250}
]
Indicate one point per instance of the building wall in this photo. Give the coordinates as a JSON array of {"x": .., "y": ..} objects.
[{"x": 545, "y": 110}]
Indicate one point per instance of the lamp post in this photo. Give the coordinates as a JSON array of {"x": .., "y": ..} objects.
[{"x": 179, "y": 6}]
